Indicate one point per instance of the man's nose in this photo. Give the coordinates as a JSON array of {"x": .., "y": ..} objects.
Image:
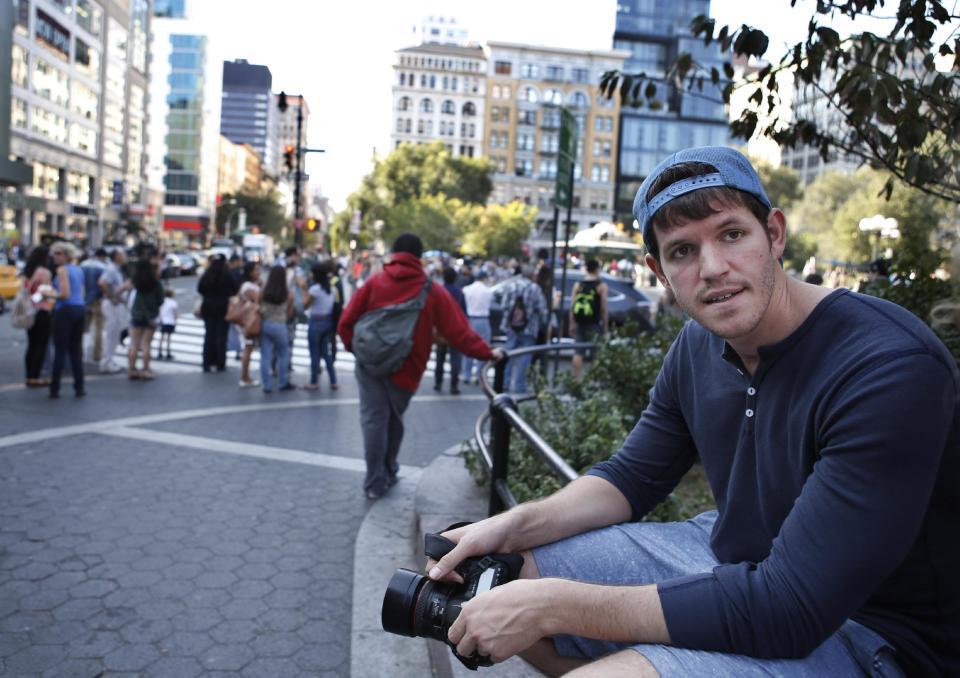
[{"x": 713, "y": 262}]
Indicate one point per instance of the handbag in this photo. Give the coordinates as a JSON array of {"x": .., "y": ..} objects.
[
  {"x": 23, "y": 312},
  {"x": 237, "y": 309},
  {"x": 252, "y": 324}
]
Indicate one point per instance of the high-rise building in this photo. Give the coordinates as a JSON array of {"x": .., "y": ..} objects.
[
  {"x": 654, "y": 33},
  {"x": 439, "y": 93},
  {"x": 78, "y": 112},
  {"x": 247, "y": 110},
  {"x": 183, "y": 145},
  {"x": 442, "y": 30},
  {"x": 527, "y": 87}
]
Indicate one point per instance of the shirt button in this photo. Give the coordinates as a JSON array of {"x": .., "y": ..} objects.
[
  {"x": 749, "y": 413},
  {"x": 751, "y": 391}
]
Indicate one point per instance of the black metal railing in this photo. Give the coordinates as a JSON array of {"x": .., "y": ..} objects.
[{"x": 504, "y": 417}]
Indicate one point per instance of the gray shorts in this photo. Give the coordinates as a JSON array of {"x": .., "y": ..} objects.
[{"x": 646, "y": 553}]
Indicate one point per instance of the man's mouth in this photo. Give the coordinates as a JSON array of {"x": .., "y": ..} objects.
[{"x": 721, "y": 298}]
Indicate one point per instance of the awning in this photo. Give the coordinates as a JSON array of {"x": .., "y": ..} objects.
[{"x": 181, "y": 225}]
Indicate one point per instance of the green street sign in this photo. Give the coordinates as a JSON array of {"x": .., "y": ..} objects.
[{"x": 567, "y": 158}]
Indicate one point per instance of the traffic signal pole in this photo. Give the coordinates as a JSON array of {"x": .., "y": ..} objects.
[{"x": 297, "y": 211}]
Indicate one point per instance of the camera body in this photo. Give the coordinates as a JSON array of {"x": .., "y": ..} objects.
[{"x": 414, "y": 605}]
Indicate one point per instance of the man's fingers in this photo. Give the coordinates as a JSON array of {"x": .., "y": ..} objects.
[
  {"x": 449, "y": 576},
  {"x": 447, "y": 564}
]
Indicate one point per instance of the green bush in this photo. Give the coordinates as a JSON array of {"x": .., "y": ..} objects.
[{"x": 586, "y": 422}]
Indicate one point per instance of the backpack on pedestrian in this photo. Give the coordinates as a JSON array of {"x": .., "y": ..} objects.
[
  {"x": 23, "y": 313},
  {"x": 383, "y": 337},
  {"x": 518, "y": 318},
  {"x": 586, "y": 303}
]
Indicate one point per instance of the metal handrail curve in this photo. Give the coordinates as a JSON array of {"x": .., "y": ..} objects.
[{"x": 504, "y": 417}]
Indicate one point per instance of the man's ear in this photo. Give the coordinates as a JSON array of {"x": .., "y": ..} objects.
[
  {"x": 654, "y": 266},
  {"x": 777, "y": 230}
]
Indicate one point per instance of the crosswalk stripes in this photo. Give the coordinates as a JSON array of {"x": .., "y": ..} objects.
[{"x": 186, "y": 346}]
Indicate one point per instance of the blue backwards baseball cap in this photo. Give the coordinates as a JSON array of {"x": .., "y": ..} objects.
[{"x": 733, "y": 171}]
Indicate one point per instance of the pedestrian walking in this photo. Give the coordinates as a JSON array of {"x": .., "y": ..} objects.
[
  {"x": 320, "y": 302},
  {"x": 93, "y": 267},
  {"x": 443, "y": 348},
  {"x": 297, "y": 286},
  {"x": 276, "y": 307},
  {"x": 250, "y": 296},
  {"x": 588, "y": 313},
  {"x": 334, "y": 270},
  {"x": 169, "y": 311},
  {"x": 524, "y": 311},
  {"x": 68, "y": 314},
  {"x": 114, "y": 289},
  {"x": 216, "y": 286},
  {"x": 37, "y": 279},
  {"x": 144, "y": 315},
  {"x": 385, "y": 392},
  {"x": 477, "y": 296}
]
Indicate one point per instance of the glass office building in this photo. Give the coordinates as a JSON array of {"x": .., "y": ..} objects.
[
  {"x": 655, "y": 32},
  {"x": 184, "y": 119}
]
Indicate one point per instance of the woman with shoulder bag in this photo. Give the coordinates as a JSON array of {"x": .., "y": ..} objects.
[
  {"x": 250, "y": 298},
  {"x": 320, "y": 302},
  {"x": 276, "y": 308},
  {"x": 216, "y": 286},
  {"x": 36, "y": 274},
  {"x": 68, "y": 315}
]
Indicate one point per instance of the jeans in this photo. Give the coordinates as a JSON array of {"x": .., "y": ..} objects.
[
  {"x": 319, "y": 332},
  {"x": 112, "y": 324},
  {"x": 233, "y": 339},
  {"x": 382, "y": 404},
  {"x": 480, "y": 325},
  {"x": 273, "y": 337},
  {"x": 520, "y": 364},
  {"x": 442, "y": 351},
  {"x": 68, "y": 338},
  {"x": 38, "y": 337},
  {"x": 215, "y": 343}
]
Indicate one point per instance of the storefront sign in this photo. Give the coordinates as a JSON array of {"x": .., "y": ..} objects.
[{"x": 52, "y": 34}]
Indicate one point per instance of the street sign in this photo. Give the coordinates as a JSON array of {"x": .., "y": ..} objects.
[
  {"x": 567, "y": 158},
  {"x": 298, "y": 223},
  {"x": 117, "y": 192}
]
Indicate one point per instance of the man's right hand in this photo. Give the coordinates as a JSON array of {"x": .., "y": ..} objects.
[{"x": 476, "y": 539}]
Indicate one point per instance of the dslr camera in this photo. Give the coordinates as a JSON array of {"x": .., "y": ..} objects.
[{"x": 415, "y": 605}]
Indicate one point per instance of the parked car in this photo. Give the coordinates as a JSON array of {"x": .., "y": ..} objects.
[
  {"x": 623, "y": 302},
  {"x": 9, "y": 285},
  {"x": 188, "y": 263},
  {"x": 171, "y": 265}
]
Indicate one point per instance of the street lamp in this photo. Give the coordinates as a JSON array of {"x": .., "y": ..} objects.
[
  {"x": 883, "y": 227},
  {"x": 241, "y": 221}
]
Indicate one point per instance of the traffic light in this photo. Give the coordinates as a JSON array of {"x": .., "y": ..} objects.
[
  {"x": 311, "y": 224},
  {"x": 288, "y": 157}
]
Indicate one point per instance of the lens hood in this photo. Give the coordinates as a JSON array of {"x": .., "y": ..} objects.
[{"x": 396, "y": 616}]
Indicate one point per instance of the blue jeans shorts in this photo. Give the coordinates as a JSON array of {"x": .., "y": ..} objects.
[{"x": 645, "y": 553}]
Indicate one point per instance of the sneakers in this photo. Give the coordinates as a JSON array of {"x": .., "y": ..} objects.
[
  {"x": 288, "y": 387},
  {"x": 111, "y": 368},
  {"x": 249, "y": 384},
  {"x": 311, "y": 387}
]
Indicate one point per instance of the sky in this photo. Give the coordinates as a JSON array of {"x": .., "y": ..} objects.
[{"x": 340, "y": 55}]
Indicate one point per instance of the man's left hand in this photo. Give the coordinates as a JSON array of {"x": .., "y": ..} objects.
[{"x": 502, "y": 622}]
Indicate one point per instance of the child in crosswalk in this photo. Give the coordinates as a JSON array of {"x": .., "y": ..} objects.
[{"x": 169, "y": 310}]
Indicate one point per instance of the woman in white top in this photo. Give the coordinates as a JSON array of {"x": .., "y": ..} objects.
[
  {"x": 249, "y": 290},
  {"x": 321, "y": 297}
]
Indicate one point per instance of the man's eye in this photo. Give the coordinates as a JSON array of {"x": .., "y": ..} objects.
[
  {"x": 733, "y": 235},
  {"x": 680, "y": 252}
]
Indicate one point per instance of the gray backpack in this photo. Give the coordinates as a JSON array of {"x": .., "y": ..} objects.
[{"x": 383, "y": 337}]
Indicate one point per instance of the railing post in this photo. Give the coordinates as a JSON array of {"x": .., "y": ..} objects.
[
  {"x": 499, "y": 367},
  {"x": 499, "y": 444}
]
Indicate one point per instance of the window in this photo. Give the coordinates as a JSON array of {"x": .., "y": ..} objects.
[
  {"x": 51, "y": 83},
  {"x": 469, "y": 109},
  {"x": 403, "y": 79},
  {"x": 186, "y": 41},
  {"x": 49, "y": 125},
  {"x": 602, "y": 148},
  {"x": 524, "y": 142},
  {"x": 495, "y": 92},
  {"x": 530, "y": 94},
  {"x": 502, "y": 67},
  {"x": 529, "y": 71},
  {"x": 523, "y": 168},
  {"x": 555, "y": 73},
  {"x": 448, "y": 107},
  {"x": 19, "y": 71},
  {"x": 453, "y": 83},
  {"x": 495, "y": 114},
  {"x": 554, "y": 97},
  {"x": 580, "y": 75},
  {"x": 433, "y": 82},
  {"x": 446, "y": 82},
  {"x": 404, "y": 104},
  {"x": 78, "y": 188},
  {"x": 18, "y": 113},
  {"x": 407, "y": 126},
  {"x": 426, "y": 105},
  {"x": 423, "y": 80},
  {"x": 83, "y": 100},
  {"x": 399, "y": 125},
  {"x": 579, "y": 100},
  {"x": 548, "y": 169},
  {"x": 471, "y": 130},
  {"x": 551, "y": 118},
  {"x": 419, "y": 126},
  {"x": 83, "y": 139},
  {"x": 526, "y": 117},
  {"x": 549, "y": 143}
]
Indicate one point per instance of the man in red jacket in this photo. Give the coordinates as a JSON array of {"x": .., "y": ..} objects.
[{"x": 383, "y": 400}]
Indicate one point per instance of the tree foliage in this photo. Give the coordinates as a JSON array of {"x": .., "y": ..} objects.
[
  {"x": 782, "y": 184},
  {"x": 901, "y": 113},
  {"x": 498, "y": 229},
  {"x": 263, "y": 211}
]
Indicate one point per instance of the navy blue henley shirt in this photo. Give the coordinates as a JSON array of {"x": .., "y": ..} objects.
[{"x": 836, "y": 472}]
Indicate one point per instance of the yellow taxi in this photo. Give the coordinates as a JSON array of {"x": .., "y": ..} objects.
[{"x": 9, "y": 284}]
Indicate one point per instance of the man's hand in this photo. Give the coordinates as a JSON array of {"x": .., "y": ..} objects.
[
  {"x": 478, "y": 539},
  {"x": 498, "y": 354},
  {"x": 504, "y": 621}
]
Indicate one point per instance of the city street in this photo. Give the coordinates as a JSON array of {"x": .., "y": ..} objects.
[{"x": 184, "y": 526}]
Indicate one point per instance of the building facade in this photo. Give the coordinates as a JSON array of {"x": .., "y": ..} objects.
[
  {"x": 239, "y": 169},
  {"x": 247, "y": 111},
  {"x": 183, "y": 145},
  {"x": 526, "y": 88},
  {"x": 79, "y": 74},
  {"x": 439, "y": 94},
  {"x": 654, "y": 33}
]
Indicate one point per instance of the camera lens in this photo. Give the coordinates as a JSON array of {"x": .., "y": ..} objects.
[{"x": 399, "y": 602}]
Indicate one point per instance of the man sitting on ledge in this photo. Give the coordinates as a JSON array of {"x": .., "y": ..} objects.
[{"x": 828, "y": 425}]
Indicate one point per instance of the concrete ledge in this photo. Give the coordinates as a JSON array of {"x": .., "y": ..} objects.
[{"x": 447, "y": 494}]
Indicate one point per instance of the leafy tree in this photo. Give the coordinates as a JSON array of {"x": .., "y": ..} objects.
[
  {"x": 497, "y": 229},
  {"x": 782, "y": 184},
  {"x": 263, "y": 210},
  {"x": 812, "y": 217},
  {"x": 432, "y": 217},
  {"x": 901, "y": 113}
]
